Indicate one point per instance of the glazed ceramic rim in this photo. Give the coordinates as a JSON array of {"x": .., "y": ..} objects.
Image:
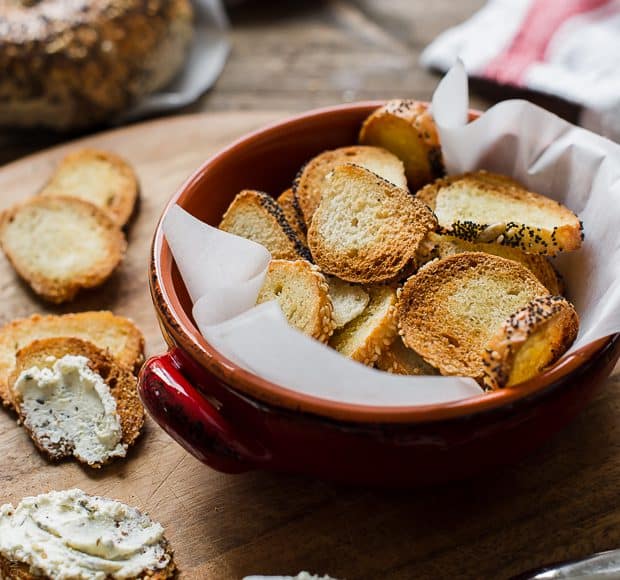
[{"x": 179, "y": 329}]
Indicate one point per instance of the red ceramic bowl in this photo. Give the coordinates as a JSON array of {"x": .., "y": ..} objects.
[{"x": 235, "y": 421}]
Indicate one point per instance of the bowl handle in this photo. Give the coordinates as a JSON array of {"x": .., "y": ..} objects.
[{"x": 192, "y": 420}]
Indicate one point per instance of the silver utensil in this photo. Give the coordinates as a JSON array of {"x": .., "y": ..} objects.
[{"x": 603, "y": 565}]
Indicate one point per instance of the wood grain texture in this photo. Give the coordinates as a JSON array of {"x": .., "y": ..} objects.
[
  {"x": 294, "y": 55},
  {"x": 560, "y": 503}
]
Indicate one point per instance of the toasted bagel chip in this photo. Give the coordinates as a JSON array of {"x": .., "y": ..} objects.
[
  {"x": 441, "y": 246},
  {"x": 349, "y": 300},
  {"x": 450, "y": 309},
  {"x": 308, "y": 185},
  {"x": 528, "y": 341},
  {"x": 367, "y": 336},
  {"x": 401, "y": 360},
  {"x": 122, "y": 384},
  {"x": 38, "y": 539},
  {"x": 99, "y": 177},
  {"x": 406, "y": 128},
  {"x": 60, "y": 245},
  {"x": 292, "y": 213},
  {"x": 302, "y": 293},
  {"x": 366, "y": 230},
  {"x": 115, "y": 334},
  {"x": 487, "y": 207},
  {"x": 256, "y": 216}
]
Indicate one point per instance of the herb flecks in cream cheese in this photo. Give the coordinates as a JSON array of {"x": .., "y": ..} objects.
[
  {"x": 70, "y": 410},
  {"x": 71, "y": 535}
]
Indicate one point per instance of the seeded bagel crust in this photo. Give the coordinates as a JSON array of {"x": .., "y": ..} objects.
[
  {"x": 451, "y": 308},
  {"x": 487, "y": 207},
  {"x": 365, "y": 229},
  {"x": 406, "y": 128},
  {"x": 400, "y": 360},
  {"x": 292, "y": 213},
  {"x": 528, "y": 341},
  {"x": 439, "y": 246},
  {"x": 122, "y": 383},
  {"x": 256, "y": 216},
  {"x": 308, "y": 185},
  {"x": 68, "y": 64},
  {"x": 302, "y": 293}
]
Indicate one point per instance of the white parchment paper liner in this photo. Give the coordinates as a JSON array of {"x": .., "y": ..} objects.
[
  {"x": 567, "y": 163},
  {"x": 223, "y": 273}
]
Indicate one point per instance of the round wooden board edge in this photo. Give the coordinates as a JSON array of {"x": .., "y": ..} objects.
[{"x": 91, "y": 140}]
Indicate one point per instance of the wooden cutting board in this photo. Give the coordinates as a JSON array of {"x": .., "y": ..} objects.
[{"x": 560, "y": 503}]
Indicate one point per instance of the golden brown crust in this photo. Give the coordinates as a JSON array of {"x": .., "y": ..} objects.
[
  {"x": 170, "y": 571},
  {"x": 449, "y": 310},
  {"x": 528, "y": 341},
  {"x": 441, "y": 246},
  {"x": 10, "y": 570},
  {"x": 292, "y": 213},
  {"x": 25, "y": 219},
  {"x": 256, "y": 216},
  {"x": 309, "y": 183},
  {"x": 365, "y": 229},
  {"x": 401, "y": 360},
  {"x": 121, "y": 381},
  {"x": 406, "y": 128},
  {"x": 119, "y": 203},
  {"x": 303, "y": 295},
  {"x": 482, "y": 190},
  {"x": 367, "y": 336},
  {"x": 117, "y": 335},
  {"x": 67, "y": 67}
]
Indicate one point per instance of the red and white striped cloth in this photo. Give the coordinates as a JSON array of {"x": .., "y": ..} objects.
[{"x": 568, "y": 48}]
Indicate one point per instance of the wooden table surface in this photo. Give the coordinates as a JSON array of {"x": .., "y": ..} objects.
[{"x": 561, "y": 502}]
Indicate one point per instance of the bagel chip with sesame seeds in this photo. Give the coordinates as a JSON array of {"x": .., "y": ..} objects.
[{"x": 303, "y": 295}]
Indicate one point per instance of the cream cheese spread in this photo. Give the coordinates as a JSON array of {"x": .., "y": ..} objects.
[
  {"x": 69, "y": 408},
  {"x": 71, "y": 535}
]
